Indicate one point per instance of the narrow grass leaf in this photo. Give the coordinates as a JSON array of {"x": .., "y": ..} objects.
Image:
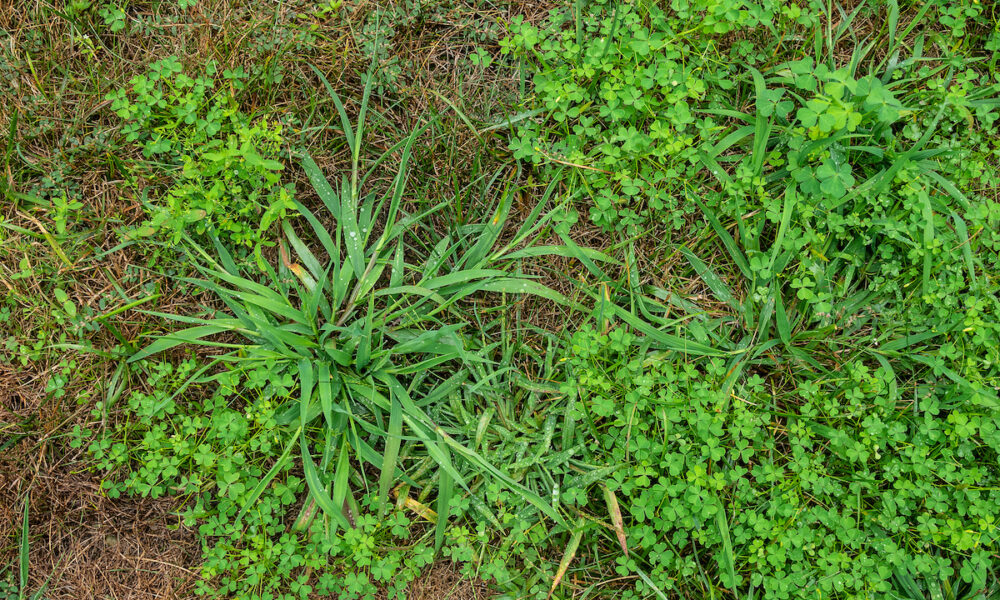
[
  {"x": 568, "y": 554},
  {"x": 513, "y": 119},
  {"x": 186, "y": 336},
  {"x": 269, "y": 476},
  {"x": 524, "y": 286},
  {"x": 664, "y": 340},
  {"x": 317, "y": 491},
  {"x": 446, "y": 490},
  {"x": 345, "y": 121},
  {"x": 728, "y": 558},
  {"x": 788, "y": 206},
  {"x": 727, "y": 240},
  {"x": 649, "y": 582},
  {"x": 341, "y": 481},
  {"x": 24, "y": 550},
  {"x": 965, "y": 241},
  {"x": 781, "y": 320},
  {"x": 564, "y": 251},
  {"x": 984, "y": 395},
  {"x": 389, "y": 456},
  {"x": 615, "y": 512},
  {"x": 928, "y": 214},
  {"x": 713, "y": 281},
  {"x": 461, "y": 277}
]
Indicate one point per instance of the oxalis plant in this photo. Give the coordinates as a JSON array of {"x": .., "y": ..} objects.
[{"x": 374, "y": 338}]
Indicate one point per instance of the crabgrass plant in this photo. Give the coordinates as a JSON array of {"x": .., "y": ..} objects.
[
  {"x": 820, "y": 420},
  {"x": 372, "y": 338}
]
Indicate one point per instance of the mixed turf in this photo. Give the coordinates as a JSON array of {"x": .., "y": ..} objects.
[{"x": 591, "y": 299}]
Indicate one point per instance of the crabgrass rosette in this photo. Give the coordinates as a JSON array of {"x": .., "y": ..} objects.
[{"x": 373, "y": 340}]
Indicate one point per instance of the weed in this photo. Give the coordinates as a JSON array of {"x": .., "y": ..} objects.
[
  {"x": 229, "y": 183},
  {"x": 778, "y": 368}
]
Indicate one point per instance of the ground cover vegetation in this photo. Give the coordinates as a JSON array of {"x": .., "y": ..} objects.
[{"x": 427, "y": 299}]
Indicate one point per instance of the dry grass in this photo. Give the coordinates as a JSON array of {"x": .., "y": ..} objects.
[
  {"x": 443, "y": 582},
  {"x": 85, "y": 544}
]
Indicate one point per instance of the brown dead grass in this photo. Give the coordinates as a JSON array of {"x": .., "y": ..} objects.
[
  {"x": 84, "y": 544},
  {"x": 442, "y": 581}
]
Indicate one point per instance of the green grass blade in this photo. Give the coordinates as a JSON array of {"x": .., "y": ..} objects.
[
  {"x": 323, "y": 188},
  {"x": 984, "y": 395},
  {"x": 345, "y": 121},
  {"x": 269, "y": 476},
  {"x": 317, "y": 491},
  {"x": 391, "y": 453},
  {"x": 24, "y": 550},
  {"x": 781, "y": 319},
  {"x": 399, "y": 185},
  {"x": 568, "y": 554},
  {"x": 727, "y": 240},
  {"x": 510, "y": 285},
  {"x": 733, "y": 138},
  {"x": 341, "y": 480},
  {"x": 649, "y": 582},
  {"x": 762, "y": 127},
  {"x": 713, "y": 281},
  {"x": 893, "y": 23},
  {"x": 461, "y": 115},
  {"x": 461, "y": 277},
  {"x": 446, "y": 489},
  {"x": 190, "y": 335},
  {"x": 928, "y": 214},
  {"x": 578, "y": 253},
  {"x": 359, "y": 132},
  {"x": 716, "y": 169},
  {"x": 564, "y": 251},
  {"x": 727, "y": 558},
  {"x": 324, "y": 385},
  {"x": 664, "y": 340},
  {"x": 305, "y": 254},
  {"x": 909, "y": 586},
  {"x": 513, "y": 119},
  {"x": 788, "y": 206},
  {"x": 963, "y": 238}
]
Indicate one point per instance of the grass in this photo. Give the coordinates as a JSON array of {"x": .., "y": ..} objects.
[{"x": 576, "y": 300}]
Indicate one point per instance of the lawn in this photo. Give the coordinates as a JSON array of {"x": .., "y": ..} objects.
[{"x": 426, "y": 299}]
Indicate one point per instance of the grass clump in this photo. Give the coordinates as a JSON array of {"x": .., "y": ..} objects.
[{"x": 346, "y": 366}]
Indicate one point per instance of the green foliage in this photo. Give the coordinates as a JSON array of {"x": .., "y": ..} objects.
[
  {"x": 653, "y": 107},
  {"x": 226, "y": 179},
  {"x": 847, "y": 301},
  {"x": 354, "y": 355},
  {"x": 8, "y": 590},
  {"x": 213, "y": 443},
  {"x": 786, "y": 384},
  {"x": 833, "y": 487},
  {"x": 12, "y": 588},
  {"x": 114, "y": 17}
]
